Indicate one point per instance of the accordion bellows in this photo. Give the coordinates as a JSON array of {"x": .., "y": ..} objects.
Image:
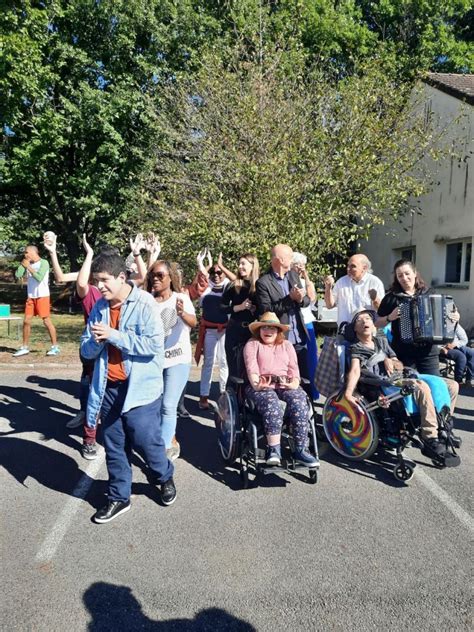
[{"x": 425, "y": 319}]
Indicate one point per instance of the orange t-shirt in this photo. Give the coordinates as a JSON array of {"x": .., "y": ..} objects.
[{"x": 116, "y": 370}]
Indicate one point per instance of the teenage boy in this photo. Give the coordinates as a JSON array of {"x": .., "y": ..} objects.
[
  {"x": 38, "y": 301},
  {"x": 124, "y": 335}
]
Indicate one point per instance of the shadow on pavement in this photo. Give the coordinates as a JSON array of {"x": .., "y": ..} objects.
[
  {"x": 71, "y": 387},
  {"x": 25, "y": 459},
  {"x": 33, "y": 411},
  {"x": 115, "y": 608}
]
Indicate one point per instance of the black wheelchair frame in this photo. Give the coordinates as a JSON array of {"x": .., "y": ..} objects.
[
  {"x": 394, "y": 428},
  {"x": 241, "y": 434}
]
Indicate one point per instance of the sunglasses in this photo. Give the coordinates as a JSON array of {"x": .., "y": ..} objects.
[
  {"x": 216, "y": 273},
  {"x": 159, "y": 275},
  {"x": 269, "y": 327}
]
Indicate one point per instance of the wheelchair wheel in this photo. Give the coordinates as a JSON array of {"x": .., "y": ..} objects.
[
  {"x": 226, "y": 419},
  {"x": 404, "y": 472},
  {"x": 352, "y": 432}
]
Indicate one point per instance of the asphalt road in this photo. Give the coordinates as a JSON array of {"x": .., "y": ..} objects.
[{"x": 357, "y": 551}]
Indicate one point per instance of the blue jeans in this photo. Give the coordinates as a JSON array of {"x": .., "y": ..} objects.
[
  {"x": 463, "y": 361},
  {"x": 175, "y": 379},
  {"x": 137, "y": 429},
  {"x": 312, "y": 358}
]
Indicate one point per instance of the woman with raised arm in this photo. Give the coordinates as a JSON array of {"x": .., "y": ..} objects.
[
  {"x": 238, "y": 301},
  {"x": 178, "y": 316}
]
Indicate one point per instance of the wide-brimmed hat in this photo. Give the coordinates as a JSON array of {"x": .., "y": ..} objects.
[{"x": 269, "y": 318}]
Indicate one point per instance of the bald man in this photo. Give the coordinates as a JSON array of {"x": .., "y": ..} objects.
[
  {"x": 359, "y": 289},
  {"x": 38, "y": 301},
  {"x": 280, "y": 291}
]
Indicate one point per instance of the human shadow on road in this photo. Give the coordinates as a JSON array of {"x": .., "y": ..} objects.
[
  {"x": 115, "y": 608},
  {"x": 71, "y": 387},
  {"x": 33, "y": 411},
  {"x": 24, "y": 459}
]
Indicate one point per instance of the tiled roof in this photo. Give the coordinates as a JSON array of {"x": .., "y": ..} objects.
[{"x": 459, "y": 86}]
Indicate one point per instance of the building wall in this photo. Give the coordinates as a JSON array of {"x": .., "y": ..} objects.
[{"x": 446, "y": 214}]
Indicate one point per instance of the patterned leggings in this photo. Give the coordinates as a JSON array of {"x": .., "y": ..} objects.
[{"x": 268, "y": 405}]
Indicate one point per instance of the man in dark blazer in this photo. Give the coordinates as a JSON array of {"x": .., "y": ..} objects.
[{"x": 280, "y": 291}]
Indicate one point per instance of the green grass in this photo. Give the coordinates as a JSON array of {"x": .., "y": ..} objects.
[{"x": 68, "y": 327}]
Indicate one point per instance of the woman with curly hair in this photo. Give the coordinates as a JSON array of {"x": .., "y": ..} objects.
[{"x": 178, "y": 316}]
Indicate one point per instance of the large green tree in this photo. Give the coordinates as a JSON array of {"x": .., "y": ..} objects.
[
  {"x": 79, "y": 82},
  {"x": 249, "y": 158}
]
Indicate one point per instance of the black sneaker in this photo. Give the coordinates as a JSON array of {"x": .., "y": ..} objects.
[
  {"x": 110, "y": 511},
  {"x": 168, "y": 492},
  {"x": 89, "y": 451},
  {"x": 434, "y": 447}
]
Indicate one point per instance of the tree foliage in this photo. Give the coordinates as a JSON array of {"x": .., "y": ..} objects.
[
  {"x": 82, "y": 84},
  {"x": 249, "y": 158},
  {"x": 80, "y": 81}
]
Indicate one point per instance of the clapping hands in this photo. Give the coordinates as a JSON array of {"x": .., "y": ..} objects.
[{"x": 204, "y": 254}]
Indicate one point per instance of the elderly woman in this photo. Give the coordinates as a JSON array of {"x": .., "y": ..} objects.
[{"x": 272, "y": 370}]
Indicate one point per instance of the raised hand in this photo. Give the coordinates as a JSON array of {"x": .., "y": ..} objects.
[
  {"x": 49, "y": 241},
  {"x": 209, "y": 259},
  {"x": 329, "y": 282},
  {"x": 87, "y": 246},
  {"x": 137, "y": 244},
  {"x": 200, "y": 260},
  {"x": 153, "y": 245}
]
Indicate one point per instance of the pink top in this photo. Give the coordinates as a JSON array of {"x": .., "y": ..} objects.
[
  {"x": 278, "y": 360},
  {"x": 89, "y": 300}
]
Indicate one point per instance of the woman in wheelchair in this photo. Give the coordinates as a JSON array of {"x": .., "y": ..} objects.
[
  {"x": 373, "y": 354},
  {"x": 273, "y": 374}
]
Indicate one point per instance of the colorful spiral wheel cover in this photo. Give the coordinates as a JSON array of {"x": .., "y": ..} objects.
[{"x": 350, "y": 430}]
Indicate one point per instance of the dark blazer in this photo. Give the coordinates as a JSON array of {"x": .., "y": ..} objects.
[{"x": 270, "y": 298}]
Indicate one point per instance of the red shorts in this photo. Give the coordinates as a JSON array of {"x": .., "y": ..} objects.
[{"x": 38, "y": 307}]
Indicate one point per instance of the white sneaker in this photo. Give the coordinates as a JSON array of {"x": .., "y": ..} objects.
[
  {"x": 77, "y": 420},
  {"x": 21, "y": 351},
  {"x": 53, "y": 351}
]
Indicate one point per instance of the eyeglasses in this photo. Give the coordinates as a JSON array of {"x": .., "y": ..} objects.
[
  {"x": 216, "y": 273},
  {"x": 159, "y": 275}
]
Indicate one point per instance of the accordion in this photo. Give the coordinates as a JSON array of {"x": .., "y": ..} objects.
[{"x": 425, "y": 319}]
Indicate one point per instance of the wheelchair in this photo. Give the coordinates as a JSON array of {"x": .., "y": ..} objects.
[
  {"x": 241, "y": 437},
  {"x": 387, "y": 419}
]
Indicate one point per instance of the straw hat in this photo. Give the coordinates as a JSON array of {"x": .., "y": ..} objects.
[{"x": 269, "y": 318}]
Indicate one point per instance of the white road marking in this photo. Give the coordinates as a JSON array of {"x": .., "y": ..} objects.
[
  {"x": 58, "y": 531},
  {"x": 461, "y": 514}
]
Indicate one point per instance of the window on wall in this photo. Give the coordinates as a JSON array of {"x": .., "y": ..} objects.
[
  {"x": 458, "y": 262},
  {"x": 406, "y": 253}
]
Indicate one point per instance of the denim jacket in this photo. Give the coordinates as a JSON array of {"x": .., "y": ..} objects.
[{"x": 140, "y": 338}]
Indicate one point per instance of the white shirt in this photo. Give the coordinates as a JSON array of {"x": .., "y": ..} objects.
[
  {"x": 307, "y": 312},
  {"x": 37, "y": 289},
  {"x": 177, "y": 337},
  {"x": 352, "y": 296}
]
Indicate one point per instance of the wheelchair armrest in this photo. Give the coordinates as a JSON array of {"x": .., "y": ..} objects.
[
  {"x": 371, "y": 380},
  {"x": 304, "y": 380},
  {"x": 235, "y": 380}
]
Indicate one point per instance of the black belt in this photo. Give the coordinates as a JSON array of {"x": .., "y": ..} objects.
[{"x": 115, "y": 383}]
